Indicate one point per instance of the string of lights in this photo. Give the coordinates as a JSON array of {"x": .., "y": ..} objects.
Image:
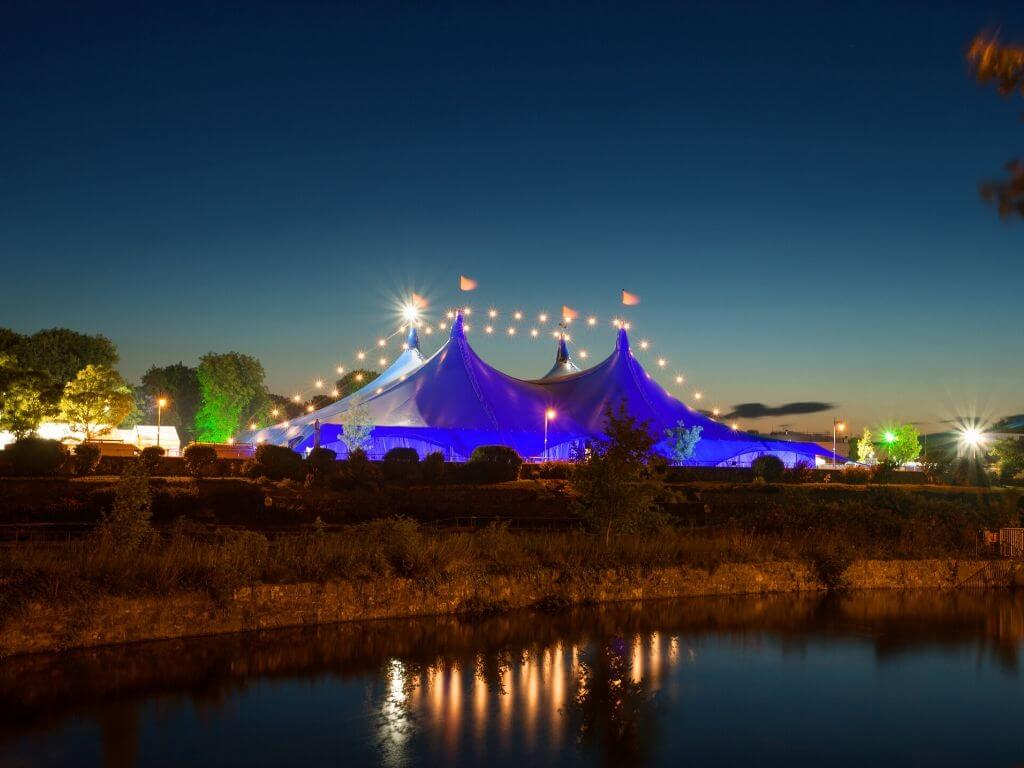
[{"x": 497, "y": 323}]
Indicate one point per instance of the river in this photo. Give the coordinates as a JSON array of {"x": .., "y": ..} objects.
[{"x": 876, "y": 678}]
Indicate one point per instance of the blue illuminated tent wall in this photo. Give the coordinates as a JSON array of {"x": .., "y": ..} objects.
[{"x": 454, "y": 402}]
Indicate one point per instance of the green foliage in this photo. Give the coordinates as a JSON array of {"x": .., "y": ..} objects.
[
  {"x": 127, "y": 525},
  {"x": 768, "y": 467},
  {"x": 400, "y": 463},
  {"x": 86, "y": 458},
  {"x": 27, "y": 397},
  {"x": 277, "y": 463},
  {"x": 397, "y": 544},
  {"x": 683, "y": 440},
  {"x": 356, "y": 427},
  {"x": 179, "y": 383},
  {"x": 493, "y": 464},
  {"x": 150, "y": 458},
  {"x": 1009, "y": 454},
  {"x": 59, "y": 352},
  {"x": 906, "y": 445},
  {"x": 232, "y": 389},
  {"x": 865, "y": 448},
  {"x": 199, "y": 459},
  {"x": 616, "y": 491},
  {"x": 353, "y": 381},
  {"x": 432, "y": 469},
  {"x": 96, "y": 400},
  {"x": 36, "y": 456}
]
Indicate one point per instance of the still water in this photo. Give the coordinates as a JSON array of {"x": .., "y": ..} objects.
[{"x": 869, "y": 679}]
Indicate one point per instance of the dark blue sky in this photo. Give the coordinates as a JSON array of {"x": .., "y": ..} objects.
[{"x": 791, "y": 188}]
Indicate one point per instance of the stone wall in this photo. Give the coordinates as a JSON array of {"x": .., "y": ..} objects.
[{"x": 107, "y": 620}]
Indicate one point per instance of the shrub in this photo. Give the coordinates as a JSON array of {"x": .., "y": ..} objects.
[
  {"x": 150, "y": 458},
  {"x": 277, "y": 463},
  {"x": 884, "y": 471},
  {"x": 359, "y": 470},
  {"x": 395, "y": 543},
  {"x": 322, "y": 463},
  {"x": 199, "y": 459},
  {"x": 856, "y": 475},
  {"x": 432, "y": 469},
  {"x": 555, "y": 470},
  {"x": 493, "y": 464},
  {"x": 86, "y": 458},
  {"x": 400, "y": 463},
  {"x": 769, "y": 467},
  {"x": 127, "y": 525},
  {"x": 36, "y": 456},
  {"x": 800, "y": 473}
]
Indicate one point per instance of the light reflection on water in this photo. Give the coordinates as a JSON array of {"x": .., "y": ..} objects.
[{"x": 879, "y": 678}]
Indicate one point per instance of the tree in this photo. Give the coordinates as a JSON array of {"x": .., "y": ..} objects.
[
  {"x": 905, "y": 445},
  {"x": 179, "y": 383},
  {"x": 96, "y": 400},
  {"x": 127, "y": 525},
  {"x": 27, "y": 398},
  {"x": 865, "y": 448},
  {"x": 614, "y": 484},
  {"x": 232, "y": 389},
  {"x": 1009, "y": 452},
  {"x": 683, "y": 440},
  {"x": 1005, "y": 65},
  {"x": 354, "y": 381},
  {"x": 356, "y": 427},
  {"x": 62, "y": 353}
]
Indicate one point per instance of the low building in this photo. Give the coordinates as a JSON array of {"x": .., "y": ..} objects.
[{"x": 139, "y": 437}]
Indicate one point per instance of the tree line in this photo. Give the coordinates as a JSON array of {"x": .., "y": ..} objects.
[{"x": 59, "y": 374}]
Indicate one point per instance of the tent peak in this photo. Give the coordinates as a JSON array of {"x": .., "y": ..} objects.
[
  {"x": 412, "y": 340},
  {"x": 458, "y": 329},
  {"x": 622, "y": 341},
  {"x": 562, "y": 356}
]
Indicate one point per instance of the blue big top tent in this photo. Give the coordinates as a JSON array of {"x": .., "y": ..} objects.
[{"x": 454, "y": 402}]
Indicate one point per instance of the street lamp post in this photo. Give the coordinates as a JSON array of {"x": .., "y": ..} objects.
[
  {"x": 840, "y": 426},
  {"x": 161, "y": 403},
  {"x": 549, "y": 415}
]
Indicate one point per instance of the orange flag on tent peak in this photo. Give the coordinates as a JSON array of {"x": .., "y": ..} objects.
[
  {"x": 418, "y": 301},
  {"x": 569, "y": 314},
  {"x": 630, "y": 299},
  {"x": 466, "y": 283}
]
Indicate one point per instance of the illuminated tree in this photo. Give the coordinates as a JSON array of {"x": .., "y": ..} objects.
[
  {"x": 1009, "y": 452},
  {"x": 27, "y": 398},
  {"x": 1003, "y": 64},
  {"x": 865, "y": 448},
  {"x": 96, "y": 400},
  {"x": 232, "y": 389},
  {"x": 356, "y": 428},
  {"x": 683, "y": 440},
  {"x": 905, "y": 445}
]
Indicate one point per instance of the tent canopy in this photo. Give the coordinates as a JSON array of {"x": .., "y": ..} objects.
[{"x": 454, "y": 402}]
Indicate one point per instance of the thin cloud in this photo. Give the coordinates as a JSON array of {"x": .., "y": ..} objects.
[{"x": 760, "y": 410}]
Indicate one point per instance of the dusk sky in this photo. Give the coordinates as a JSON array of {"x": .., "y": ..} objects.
[{"x": 791, "y": 189}]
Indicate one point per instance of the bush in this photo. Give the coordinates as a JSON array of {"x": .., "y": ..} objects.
[
  {"x": 322, "y": 463},
  {"x": 769, "y": 467},
  {"x": 884, "y": 471},
  {"x": 396, "y": 544},
  {"x": 86, "y": 458},
  {"x": 432, "y": 470},
  {"x": 400, "y": 463},
  {"x": 150, "y": 458},
  {"x": 800, "y": 473},
  {"x": 493, "y": 464},
  {"x": 127, "y": 526},
  {"x": 199, "y": 459},
  {"x": 359, "y": 470},
  {"x": 36, "y": 456},
  {"x": 856, "y": 475},
  {"x": 277, "y": 463}
]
